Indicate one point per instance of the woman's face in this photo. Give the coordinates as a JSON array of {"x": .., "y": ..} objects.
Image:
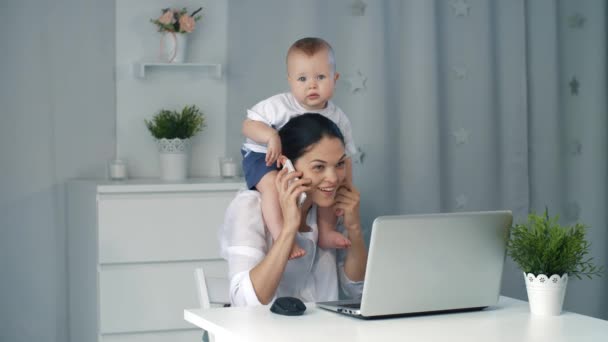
[{"x": 324, "y": 163}]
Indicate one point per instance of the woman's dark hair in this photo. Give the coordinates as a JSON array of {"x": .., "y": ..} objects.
[{"x": 301, "y": 132}]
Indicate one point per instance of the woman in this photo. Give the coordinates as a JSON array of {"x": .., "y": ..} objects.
[{"x": 259, "y": 268}]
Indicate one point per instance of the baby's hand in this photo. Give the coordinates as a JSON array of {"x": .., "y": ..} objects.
[{"x": 274, "y": 149}]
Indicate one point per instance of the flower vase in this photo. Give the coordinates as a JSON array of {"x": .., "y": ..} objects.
[
  {"x": 173, "y": 47},
  {"x": 173, "y": 157},
  {"x": 546, "y": 294}
]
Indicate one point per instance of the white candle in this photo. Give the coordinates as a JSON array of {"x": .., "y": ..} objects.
[
  {"x": 118, "y": 170},
  {"x": 228, "y": 168}
]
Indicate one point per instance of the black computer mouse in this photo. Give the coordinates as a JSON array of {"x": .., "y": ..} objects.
[{"x": 288, "y": 306}]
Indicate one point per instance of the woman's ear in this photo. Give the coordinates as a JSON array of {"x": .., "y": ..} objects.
[{"x": 336, "y": 76}]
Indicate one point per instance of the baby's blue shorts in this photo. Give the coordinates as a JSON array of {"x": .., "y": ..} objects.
[{"x": 254, "y": 167}]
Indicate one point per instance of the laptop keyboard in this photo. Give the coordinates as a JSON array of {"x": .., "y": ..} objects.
[{"x": 352, "y": 306}]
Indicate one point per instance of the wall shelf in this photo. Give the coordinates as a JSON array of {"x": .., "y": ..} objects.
[{"x": 213, "y": 70}]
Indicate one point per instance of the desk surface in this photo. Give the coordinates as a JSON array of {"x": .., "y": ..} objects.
[{"x": 510, "y": 320}]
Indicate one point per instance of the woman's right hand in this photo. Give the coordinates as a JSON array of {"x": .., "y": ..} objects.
[
  {"x": 347, "y": 205},
  {"x": 288, "y": 195}
]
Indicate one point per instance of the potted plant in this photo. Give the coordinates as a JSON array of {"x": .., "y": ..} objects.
[
  {"x": 174, "y": 24},
  {"x": 549, "y": 254},
  {"x": 173, "y": 130}
]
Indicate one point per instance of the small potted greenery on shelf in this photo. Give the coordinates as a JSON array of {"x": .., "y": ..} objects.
[
  {"x": 548, "y": 254},
  {"x": 173, "y": 130}
]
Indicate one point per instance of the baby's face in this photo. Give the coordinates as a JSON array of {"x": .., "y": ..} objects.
[{"x": 311, "y": 79}]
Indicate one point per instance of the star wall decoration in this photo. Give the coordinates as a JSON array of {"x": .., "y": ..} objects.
[
  {"x": 460, "y": 72},
  {"x": 356, "y": 82},
  {"x": 461, "y": 136},
  {"x": 358, "y": 8},
  {"x": 460, "y": 8},
  {"x": 357, "y": 158},
  {"x": 461, "y": 201},
  {"x": 576, "y": 21},
  {"x": 574, "y": 85},
  {"x": 576, "y": 148}
]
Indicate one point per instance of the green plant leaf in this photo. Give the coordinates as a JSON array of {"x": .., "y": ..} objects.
[
  {"x": 543, "y": 246},
  {"x": 172, "y": 124}
]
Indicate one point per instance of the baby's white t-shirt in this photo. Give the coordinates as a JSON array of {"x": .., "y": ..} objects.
[{"x": 277, "y": 110}]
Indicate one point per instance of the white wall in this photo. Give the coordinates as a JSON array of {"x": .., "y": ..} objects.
[
  {"x": 169, "y": 88},
  {"x": 57, "y": 110}
]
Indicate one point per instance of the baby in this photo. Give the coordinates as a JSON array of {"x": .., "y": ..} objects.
[{"x": 312, "y": 76}]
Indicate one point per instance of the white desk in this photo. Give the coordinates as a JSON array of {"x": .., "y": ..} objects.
[{"x": 510, "y": 320}]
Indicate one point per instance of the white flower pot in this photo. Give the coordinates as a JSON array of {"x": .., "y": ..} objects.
[
  {"x": 173, "y": 47},
  {"x": 546, "y": 294},
  {"x": 174, "y": 158}
]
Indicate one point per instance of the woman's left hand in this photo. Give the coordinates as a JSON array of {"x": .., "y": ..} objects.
[{"x": 347, "y": 204}]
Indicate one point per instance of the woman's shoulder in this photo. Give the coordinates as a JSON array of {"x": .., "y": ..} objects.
[
  {"x": 247, "y": 196},
  {"x": 245, "y": 209},
  {"x": 243, "y": 231},
  {"x": 243, "y": 223},
  {"x": 246, "y": 202}
]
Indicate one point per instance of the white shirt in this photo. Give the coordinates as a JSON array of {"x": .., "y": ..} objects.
[
  {"x": 275, "y": 111},
  {"x": 244, "y": 242}
]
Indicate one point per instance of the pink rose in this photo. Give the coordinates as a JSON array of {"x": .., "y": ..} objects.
[
  {"x": 186, "y": 23},
  {"x": 166, "y": 18}
]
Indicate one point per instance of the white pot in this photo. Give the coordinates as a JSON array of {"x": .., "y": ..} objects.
[
  {"x": 173, "y": 157},
  {"x": 173, "y": 47},
  {"x": 546, "y": 294}
]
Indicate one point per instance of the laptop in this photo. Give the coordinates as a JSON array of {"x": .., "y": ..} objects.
[{"x": 433, "y": 263}]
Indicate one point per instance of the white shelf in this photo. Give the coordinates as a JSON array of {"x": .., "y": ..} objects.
[
  {"x": 214, "y": 70},
  {"x": 145, "y": 185}
]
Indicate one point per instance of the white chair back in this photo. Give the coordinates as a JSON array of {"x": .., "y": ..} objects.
[{"x": 211, "y": 290}]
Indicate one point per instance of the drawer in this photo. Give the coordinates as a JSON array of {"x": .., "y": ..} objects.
[
  {"x": 149, "y": 297},
  {"x": 160, "y": 227},
  {"x": 162, "y": 336}
]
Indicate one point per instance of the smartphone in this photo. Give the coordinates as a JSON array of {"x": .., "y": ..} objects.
[{"x": 289, "y": 166}]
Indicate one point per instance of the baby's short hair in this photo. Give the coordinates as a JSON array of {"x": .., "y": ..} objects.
[{"x": 312, "y": 45}]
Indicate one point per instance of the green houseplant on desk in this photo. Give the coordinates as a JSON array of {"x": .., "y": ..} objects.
[
  {"x": 548, "y": 254},
  {"x": 173, "y": 130}
]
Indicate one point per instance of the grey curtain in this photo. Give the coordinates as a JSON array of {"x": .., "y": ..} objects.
[{"x": 457, "y": 105}]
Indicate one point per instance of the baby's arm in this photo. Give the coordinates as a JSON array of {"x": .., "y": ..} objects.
[
  {"x": 258, "y": 131},
  {"x": 264, "y": 134}
]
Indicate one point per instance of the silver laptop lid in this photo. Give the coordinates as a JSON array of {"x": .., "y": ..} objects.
[{"x": 434, "y": 262}]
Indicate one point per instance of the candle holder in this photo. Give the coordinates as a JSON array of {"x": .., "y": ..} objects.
[
  {"x": 117, "y": 169},
  {"x": 228, "y": 168}
]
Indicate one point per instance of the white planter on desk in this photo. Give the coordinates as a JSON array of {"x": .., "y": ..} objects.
[
  {"x": 132, "y": 250},
  {"x": 546, "y": 294}
]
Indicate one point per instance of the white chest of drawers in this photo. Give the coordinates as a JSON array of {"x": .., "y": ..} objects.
[{"x": 132, "y": 250}]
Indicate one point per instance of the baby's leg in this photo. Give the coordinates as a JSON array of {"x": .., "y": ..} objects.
[
  {"x": 271, "y": 210},
  {"x": 329, "y": 237}
]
